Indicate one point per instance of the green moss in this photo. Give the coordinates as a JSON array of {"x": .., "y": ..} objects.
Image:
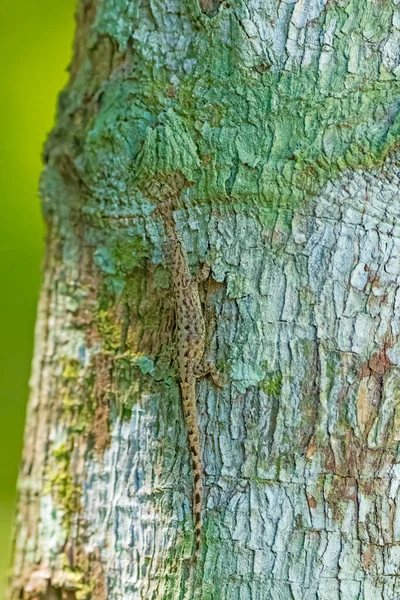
[
  {"x": 237, "y": 286},
  {"x": 78, "y": 403},
  {"x": 76, "y": 578},
  {"x": 71, "y": 369},
  {"x": 223, "y": 367},
  {"x": 278, "y": 136},
  {"x": 134, "y": 375},
  {"x": 78, "y": 413},
  {"x": 61, "y": 485},
  {"x": 169, "y": 148},
  {"x": 109, "y": 331},
  {"x": 145, "y": 364},
  {"x": 162, "y": 278},
  {"x": 121, "y": 253},
  {"x": 272, "y": 383},
  {"x": 264, "y": 134},
  {"x": 78, "y": 400}
]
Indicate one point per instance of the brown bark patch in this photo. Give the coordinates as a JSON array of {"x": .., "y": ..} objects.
[
  {"x": 311, "y": 448},
  {"x": 379, "y": 363},
  {"x": 365, "y": 371},
  {"x": 100, "y": 429},
  {"x": 343, "y": 490},
  {"x": 83, "y": 581},
  {"x": 371, "y": 387},
  {"x": 210, "y": 7},
  {"x": 85, "y": 17},
  {"x": 368, "y": 557},
  {"x": 311, "y": 501},
  {"x": 329, "y": 459},
  {"x": 365, "y": 410}
]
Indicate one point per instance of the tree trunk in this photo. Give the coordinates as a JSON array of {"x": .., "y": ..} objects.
[{"x": 270, "y": 129}]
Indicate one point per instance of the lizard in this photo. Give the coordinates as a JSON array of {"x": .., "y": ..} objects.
[{"x": 190, "y": 339}]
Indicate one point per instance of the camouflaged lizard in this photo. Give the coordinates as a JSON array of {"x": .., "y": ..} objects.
[{"x": 190, "y": 338}]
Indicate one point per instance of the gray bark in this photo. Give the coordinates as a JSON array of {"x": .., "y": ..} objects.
[{"x": 282, "y": 119}]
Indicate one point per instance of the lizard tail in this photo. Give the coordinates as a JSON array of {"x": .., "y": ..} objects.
[
  {"x": 197, "y": 507},
  {"x": 190, "y": 410}
]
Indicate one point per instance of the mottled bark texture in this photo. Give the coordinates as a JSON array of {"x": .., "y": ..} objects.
[{"x": 276, "y": 125}]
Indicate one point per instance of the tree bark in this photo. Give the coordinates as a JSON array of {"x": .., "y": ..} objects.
[{"x": 274, "y": 126}]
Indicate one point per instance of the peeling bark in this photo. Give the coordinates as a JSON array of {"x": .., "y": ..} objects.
[{"x": 283, "y": 121}]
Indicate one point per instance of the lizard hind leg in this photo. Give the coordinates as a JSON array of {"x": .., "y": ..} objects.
[
  {"x": 203, "y": 274},
  {"x": 209, "y": 368}
]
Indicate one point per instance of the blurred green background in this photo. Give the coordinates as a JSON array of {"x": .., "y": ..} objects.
[{"x": 35, "y": 49}]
